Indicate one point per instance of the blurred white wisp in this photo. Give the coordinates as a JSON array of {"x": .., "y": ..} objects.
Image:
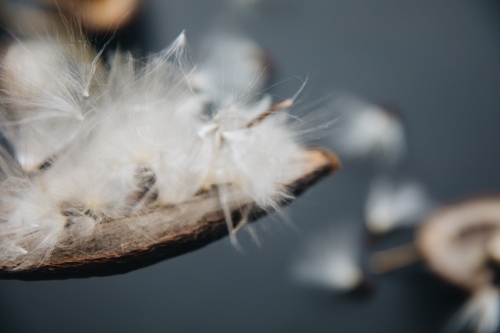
[
  {"x": 481, "y": 313},
  {"x": 234, "y": 67},
  {"x": 368, "y": 131},
  {"x": 40, "y": 113},
  {"x": 391, "y": 205},
  {"x": 331, "y": 259}
]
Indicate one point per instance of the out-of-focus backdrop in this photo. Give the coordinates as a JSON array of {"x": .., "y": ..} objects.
[{"x": 438, "y": 62}]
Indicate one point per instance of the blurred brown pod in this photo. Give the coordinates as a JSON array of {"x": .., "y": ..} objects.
[
  {"x": 118, "y": 250},
  {"x": 98, "y": 15},
  {"x": 461, "y": 242}
]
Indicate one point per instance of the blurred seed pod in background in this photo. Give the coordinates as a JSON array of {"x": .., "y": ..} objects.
[
  {"x": 97, "y": 15},
  {"x": 460, "y": 243}
]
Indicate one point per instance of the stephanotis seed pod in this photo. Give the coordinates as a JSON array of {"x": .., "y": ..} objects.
[
  {"x": 113, "y": 168},
  {"x": 97, "y": 15}
]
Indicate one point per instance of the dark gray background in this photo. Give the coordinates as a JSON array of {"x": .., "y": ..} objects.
[{"x": 439, "y": 61}]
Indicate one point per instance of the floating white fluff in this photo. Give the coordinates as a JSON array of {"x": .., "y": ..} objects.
[
  {"x": 44, "y": 84},
  {"x": 369, "y": 131},
  {"x": 235, "y": 67},
  {"x": 481, "y": 312},
  {"x": 331, "y": 260},
  {"x": 390, "y": 205},
  {"x": 93, "y": 144}
]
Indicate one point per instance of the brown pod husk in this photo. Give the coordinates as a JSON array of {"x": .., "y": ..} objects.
[
  {"x": 120, "y": 248},
  {"x": 458, "y": 241},
  {"x": 98, "y": 15}
]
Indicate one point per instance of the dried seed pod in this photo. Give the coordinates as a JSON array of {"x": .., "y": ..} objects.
[
  {"x": 460, "y": 243},
  {"x": 158, "y": 234},
  {"x": 457, "y": 241},
  {"x": 146, "y": 173},
  {"x": 98, "y": 15}
]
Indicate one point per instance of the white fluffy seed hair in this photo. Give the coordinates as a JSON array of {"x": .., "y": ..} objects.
[
  {"x": 481, "y": 313},
  {"x": 331, "y": 259},
  {"x": 235, "y": 67},
  {"x": 94, "y": 142},
  {"x": 392, "y": 205},
  {"x": 368, "y": 131}
]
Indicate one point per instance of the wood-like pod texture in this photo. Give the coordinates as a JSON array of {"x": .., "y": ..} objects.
[
  {"x": 98, "y": 15},
  {"x": 155, "y": 235},
  {"x": 458, "y": 241}
]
